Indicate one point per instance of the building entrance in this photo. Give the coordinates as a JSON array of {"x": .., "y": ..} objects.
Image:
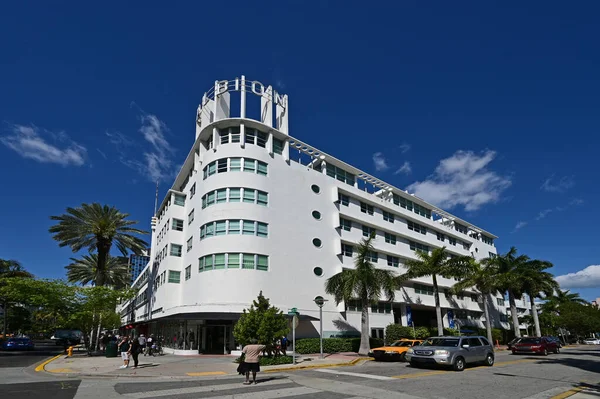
[{"x": 215, "y": 339}]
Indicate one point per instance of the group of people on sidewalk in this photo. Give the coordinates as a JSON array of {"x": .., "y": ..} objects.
[{"x": 131, "y": 347}]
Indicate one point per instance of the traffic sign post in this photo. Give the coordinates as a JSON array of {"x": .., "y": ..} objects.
[{"x": 294, "y": 313}]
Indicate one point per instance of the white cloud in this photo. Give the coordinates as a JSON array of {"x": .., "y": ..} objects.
[
  {"x": 558, "y": 186},
  {"x": 463, "y": 179},
  {"x": 586, "y": 278},
  {"x": 404, "y": 147},
  {"x": 33, "y": 143},
  {"x": 576, "y": 202},
  {"x": 380, "y": 162},
  {"x": 101, "y": 153},
  {"x": 519, "y": 226},
  {"x": 544, "y": 213},
  {"x": 405, "y": 168}
]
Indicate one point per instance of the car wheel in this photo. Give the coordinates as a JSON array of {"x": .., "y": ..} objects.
[
  {"x": 459, "y": 364},
  {"x": 545, "y": 352},
  {"x": 489, "y": 360},
  {"x": 403, "y": 357},
  {"x": 414, "y": 364}
]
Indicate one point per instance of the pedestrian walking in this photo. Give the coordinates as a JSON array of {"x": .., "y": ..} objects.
[
  {"x": 124, "y": 349},
  {"x": 134, "y": 351},
  {"x": 142, "y": 340},
  {"x": 149, "y": 343},
  {"x": 252, "y": 354}
]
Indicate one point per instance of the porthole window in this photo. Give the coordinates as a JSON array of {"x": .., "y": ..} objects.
[
  {"x": 316, "y": 215},
  {"x": 317, "y": 242},
  {"x": 316, "y": 189},
  {"x": 318, "y": 271}
]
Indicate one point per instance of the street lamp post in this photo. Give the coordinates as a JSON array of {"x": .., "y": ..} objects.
[{"x": 320, "y": 302}]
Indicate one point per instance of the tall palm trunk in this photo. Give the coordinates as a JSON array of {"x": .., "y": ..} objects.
[
  {"x": 513, "y": 313},
  {"x": 365, "y": 345},
  {"x": 103, "y": 248},
  {"x": 486, "y": 311},
  {"x": 438, "y": 308},
  {"x": 536, "y": 320}
]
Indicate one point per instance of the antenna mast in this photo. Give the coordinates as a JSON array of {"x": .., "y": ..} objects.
[{"x": 156, "y": 199}]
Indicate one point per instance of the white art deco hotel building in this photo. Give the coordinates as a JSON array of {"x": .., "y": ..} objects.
[{"x": 255, "y": 209}]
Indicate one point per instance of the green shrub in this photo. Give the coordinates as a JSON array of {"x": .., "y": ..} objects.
[
  {"x": 271, "y": 360},
  {"x": 394, "y": 332},
  {"x": 332, "y": 345}
]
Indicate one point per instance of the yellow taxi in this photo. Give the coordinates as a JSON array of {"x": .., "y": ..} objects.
[{"x": 395, "y": 351}]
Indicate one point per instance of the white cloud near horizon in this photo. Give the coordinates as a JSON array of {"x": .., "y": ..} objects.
[
  {"x": 380, "y": 162},
  {"x": 404, "y": 147},
  {"x": 463, "y": 179},
  {"x": 405, "y": 168},
  {"x": 520, "y": 225},
  {"x": 561, "y": 185},
  {"x": 43, "y": 146},
  {"x": 586, "y": 278}
]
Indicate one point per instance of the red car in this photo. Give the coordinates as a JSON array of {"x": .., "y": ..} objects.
[{"x": 539, "y": 345}]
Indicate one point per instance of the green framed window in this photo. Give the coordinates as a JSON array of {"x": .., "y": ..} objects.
[
  {"x": 262, "y": 229},
  {"x": 176, "y": 250},
  {"x": 174, "y": 277},
  {"x": 248, "y": 227},
  {"x": 188, "y": 272},
  {"x": 345, "y": 224},
  {"x": 210, "y": 198},
  {"x": 233, "y": 261},
  {"x": 249, "y": 196},
  {"x": 210, "y": 230},
  {"x": 221, "y": 196},
  {"x": 234, "y": 227},
  {"x": 390, "y": 238},
  {"x": 219, "y": 261},
  {"x": 208, "y": 262},
  {"x": 247, "y": 261},
  {"x": 234, "y": 194},
  {"x": 235, "y": 164},
  {"x": 179, "y": 200},
  {"x": 278, "y": 146},
  {"x": 177, "y": 224},
  {"x": 262, "y": 168},
  {"x": 343, "y": 199},
  {"x": 262, "y": 262},
  {"x": 221, "y": 228},
  {"x": 262, "y": 198},
  {"x": 249, "y": 165}
]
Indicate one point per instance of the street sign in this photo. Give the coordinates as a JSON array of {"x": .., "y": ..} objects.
[
  {"x": 295, "y": 321},
  {"x": 293, "y": 312}
]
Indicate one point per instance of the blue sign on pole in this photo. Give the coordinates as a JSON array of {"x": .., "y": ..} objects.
[
  {"x": 451, "y": 319},
  {"x": 408, "y": 316}
]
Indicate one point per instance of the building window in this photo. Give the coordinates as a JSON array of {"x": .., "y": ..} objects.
[
  {"x": 190, "y": 217},
  {"x": 353, "y": 305},
  {"x": 345, "y": 224},
  {"x": 460, "y": 228},
  {"x": 174, "y": 276},
  {"x": 390, "y": 238},
  {"x": 220, "y": 227},
  {"x": 235, "y": 165},
  {"x": 340, "y": 174},
  {"x": 503, "y": 318},
  {"x": 372, "y": 256},
  {"x": 262, "y": 229},
  {"x": 388, "y": 217},
  {"x": 377, "y": 333},
  {"x": 382, "y": 307},
  {"x": 189, "y": 243},
  {"x": 487, "y": 240},
  {"x": 415, "y": 246},
  {"x": 224, "y": 135},
  {"x": 177, "y": 224},
  {"x": 248, "y": 228},
  {"x": 318, "y": 271},
  {"x": 262, "y": 262},
  {"x": 474, "y": 298},
  {"x": 466, "y": 245},
  {"x": 175, "y": 250},
  {"x": 460, "y": 296},
  {"x": 452, "y": 241},
  {"x": 235, "y": 195},
  {"x": 422, "y": 289},
  {"x": 192, "y": 190},
  {"x": 249, "y": 196},
  {"x": 234, "y": 226},
  {"x": 179, "y": 200},
  {"x": 316, "y": 215},
  {"x": 500, "y": 302},
  {"x": 316, "y": 189},
  {"x": 233, "y": 261},
  {"x": 278, "y": 146},
  {"x": 393, "y": 261},
  {"x": 366, "y": 208},
  {"x": 491, "y": 255},
  {"x": 262, "y": 198},
  {"x": 256, "y": 137},
  {"x": 417, "y": 227},
  {"x": 440, "y": 236},
  {"x": 247, "y": 261},
  {"x": 219, "y": 261},
  {"x": 188, "y": 272},
  {"x": 347, "y": 250},
  {"x": 317, "y": 242},
  {"x": 411, "y": 206},
  {"x": 343, "y": 199},
  {"x": 367, "y": 231}
]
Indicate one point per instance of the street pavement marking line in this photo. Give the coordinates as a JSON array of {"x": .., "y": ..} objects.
[
  {"x": 64, "y": 370},
  {"x": 371, "y": 376},
  {"x": 41, "y": 366},
  {"x": 203, "y": 388},
  {"x": 277, "y": 393},
  {"x": 205, "y": 373},
  {"x": 422, "y": 374},
  {"x": 567, "y": 394}
]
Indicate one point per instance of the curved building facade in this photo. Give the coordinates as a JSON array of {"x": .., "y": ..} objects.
[{"x": 255, "y": 209}]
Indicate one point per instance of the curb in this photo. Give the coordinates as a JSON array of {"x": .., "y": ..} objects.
[
  {"x": 42, "y": 367},
  {"x": 318, "y": 366}
]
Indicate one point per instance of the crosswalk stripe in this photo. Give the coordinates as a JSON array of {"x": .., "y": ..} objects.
[
  {"x": 371, "y": 376},
  {"x": 277, "y": 393},
  {"x": 198, "y": 389}
]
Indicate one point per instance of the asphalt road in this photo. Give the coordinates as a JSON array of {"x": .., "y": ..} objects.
[{"x": 28, "y": 358}]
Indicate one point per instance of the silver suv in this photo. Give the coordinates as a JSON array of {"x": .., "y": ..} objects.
[{"x": 452, "y": 351}]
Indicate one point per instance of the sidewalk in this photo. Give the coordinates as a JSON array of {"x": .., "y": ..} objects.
[{"x": 170, "y": 366}]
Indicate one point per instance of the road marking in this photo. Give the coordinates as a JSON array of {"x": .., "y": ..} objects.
[
  {"x": 277, "y": 393},
  {"x": 371, "y": 376},
  {"x": 204, "y": 373},
  {"x": 65, "y": 370},
  {"x": 204, "y": 388},
  {"x": 41, "y": 366},
  {"x": 423, "y": 374}
]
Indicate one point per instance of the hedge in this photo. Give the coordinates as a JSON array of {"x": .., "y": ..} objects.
[
  {"x": 271, "y": 361},
  {"x": 332, "y": 345},
  {"x": 394, "y": 332}
]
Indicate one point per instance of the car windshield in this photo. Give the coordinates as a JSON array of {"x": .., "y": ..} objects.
[
  {"x": 402, "y": 343},
  {"x": 529, "y": 341},
  {"x": 440, "y": 342}
]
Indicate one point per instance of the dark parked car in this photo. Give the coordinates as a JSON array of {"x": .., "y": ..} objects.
[
  {"x": 512, "y": 343},
  {"x": 18, "y": 344},
  {"x": 535, "y": 345}
]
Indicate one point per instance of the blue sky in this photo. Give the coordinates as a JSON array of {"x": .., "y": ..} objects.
[{"x": 490, "y": 111}]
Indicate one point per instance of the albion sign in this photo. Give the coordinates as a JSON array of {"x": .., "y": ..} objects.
[{"x": 241, "y": 84}]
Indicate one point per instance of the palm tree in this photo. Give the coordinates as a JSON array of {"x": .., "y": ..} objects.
[
  {"x": 97, "y": 227},
  {"x": 85, "y": 271},
  {"x": 365, "y": 283},
  {"x": 535, "y": 281},
  {"x": 438, "y": 263},
  {"x": 507, "y": 268},
  {"x": 10, "y": 269},
  {"x": 483, "y": 279}
]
